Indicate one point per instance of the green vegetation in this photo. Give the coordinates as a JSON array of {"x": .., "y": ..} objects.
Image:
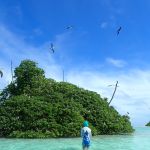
[
  {"x": 148, "y": 124},
  {"x": 33, "y": 106}
]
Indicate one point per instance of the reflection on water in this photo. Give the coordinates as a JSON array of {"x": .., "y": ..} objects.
[{"x": 140, "y": 140}]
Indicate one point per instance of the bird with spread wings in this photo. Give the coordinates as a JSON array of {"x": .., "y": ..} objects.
[
  {"x": 118, "y": 31},
  {"x": 1, "y": 73},
  {"x": 52, "y": 47},
  {"x": 69, "y": 27}
]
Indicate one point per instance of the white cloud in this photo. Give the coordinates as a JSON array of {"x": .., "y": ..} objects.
[
  {"x": 116, "y": 62},
  {"x": 15, "y": 48},
  {"x": 132, "y": 95}
]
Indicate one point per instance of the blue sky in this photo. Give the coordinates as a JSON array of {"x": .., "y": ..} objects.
[{"x": 91, "y": 53}]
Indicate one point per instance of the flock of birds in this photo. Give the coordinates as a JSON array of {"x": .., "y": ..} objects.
[{"x": 52, "y": 48}]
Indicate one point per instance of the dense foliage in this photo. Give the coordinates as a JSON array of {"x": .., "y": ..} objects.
[
  {"x": 33, "y": 106},
  {"x": 148, "y": 124}
]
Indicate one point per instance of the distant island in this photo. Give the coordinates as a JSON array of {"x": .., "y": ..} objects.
[
  {"x": 148, "y": 124},
  {"x": 33, "y": 106}
]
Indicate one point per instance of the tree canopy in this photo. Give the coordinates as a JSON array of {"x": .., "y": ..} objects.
[
  {"x": 148, "y": 124},
  {"x": 33, "y": 106}
]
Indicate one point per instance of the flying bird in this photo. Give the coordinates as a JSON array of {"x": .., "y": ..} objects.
[
  {"x": 52, "y": 48},
  {"x": 118, "y": 31},
  {"x": 69, "y": 27},
  {"x": 113, "y": 93},
  {"x": 1, "y": 73}
]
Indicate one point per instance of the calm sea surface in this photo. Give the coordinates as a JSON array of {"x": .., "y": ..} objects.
[{"x": 139, "y": 140}]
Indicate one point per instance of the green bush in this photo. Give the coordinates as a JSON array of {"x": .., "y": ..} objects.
[
  {"x": 36, "y": 107},
  {"x": 148, "y": 124}
]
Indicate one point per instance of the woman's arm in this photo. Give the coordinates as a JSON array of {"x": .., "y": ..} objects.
[{"x": 81, "y": 132}]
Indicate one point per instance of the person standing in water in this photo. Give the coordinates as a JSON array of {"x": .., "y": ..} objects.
[{"x": 86, "y": 135}]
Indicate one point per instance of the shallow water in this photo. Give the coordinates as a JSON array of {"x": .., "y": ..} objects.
[{"x": 139, "y": 140}]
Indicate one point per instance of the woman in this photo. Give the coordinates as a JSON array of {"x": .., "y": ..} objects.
[{"x": 86, "y": 135}]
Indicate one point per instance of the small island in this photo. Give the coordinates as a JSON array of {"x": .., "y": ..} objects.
[
  {"x": 33, "y": 106},
  {"x": 148, "y": 124}
]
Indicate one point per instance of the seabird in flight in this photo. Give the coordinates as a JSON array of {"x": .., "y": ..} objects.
[
  {"x": 118, "y": 31},
  {"x": 1, "y": 73},
  {"x": 69, "y": 27},
  {"x": 52, "y": 48}
]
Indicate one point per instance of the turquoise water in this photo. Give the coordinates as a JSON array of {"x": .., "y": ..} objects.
[{"x": 140, "y": 140}]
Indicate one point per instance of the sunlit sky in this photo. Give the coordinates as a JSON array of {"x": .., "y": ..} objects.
[{"x": 90, "y": 53}]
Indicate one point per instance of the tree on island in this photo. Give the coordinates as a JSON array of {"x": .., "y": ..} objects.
[
  {"x": 148, "y": 124},
  {"x": 33, "y": 106}
]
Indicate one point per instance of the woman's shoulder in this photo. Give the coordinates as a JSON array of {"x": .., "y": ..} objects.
[{"x": 86, "y": 128}]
